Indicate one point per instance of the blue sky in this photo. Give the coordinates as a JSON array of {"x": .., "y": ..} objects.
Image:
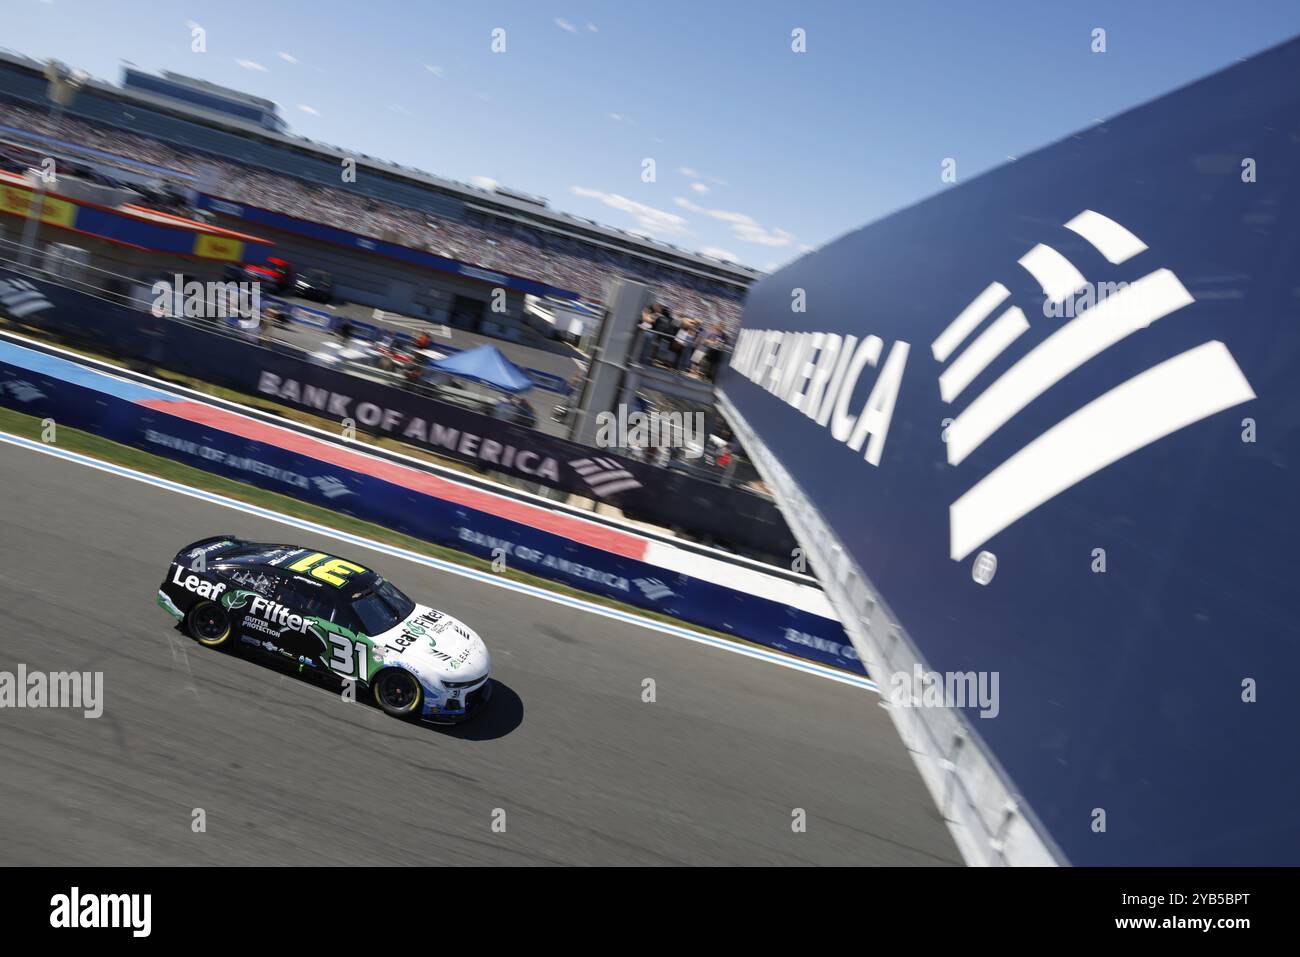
[{"x": 760, "y": 153}]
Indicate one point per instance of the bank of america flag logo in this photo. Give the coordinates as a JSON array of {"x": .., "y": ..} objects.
[
  {"x": 604, "y": 476},
  {"x": 330, "y": 486},
  {"x": 1155, "y": 403},
  {"x": 653, "y": 588},
  {"x": 20, "y": 298},
  {"x": 23, "y": 391}
]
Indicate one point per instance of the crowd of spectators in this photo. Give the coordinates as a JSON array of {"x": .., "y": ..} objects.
[
  {"x": 681, "y": 343},
  {"x": 496, "y": 244}
]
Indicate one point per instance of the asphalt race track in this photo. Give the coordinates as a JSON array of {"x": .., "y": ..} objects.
[{"x": 288, "y": 773}]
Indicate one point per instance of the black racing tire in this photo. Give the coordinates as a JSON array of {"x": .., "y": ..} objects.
[
  {"x": 397, "y": 692},
  {"x": 209, "y": 625}
]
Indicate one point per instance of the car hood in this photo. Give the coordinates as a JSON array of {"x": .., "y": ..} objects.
[{"x": 435, "y": 645}]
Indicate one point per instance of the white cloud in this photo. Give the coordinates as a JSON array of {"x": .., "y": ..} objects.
[
  {"x": 743, "y": 226},
  {"x": 251, "y": 65},
  {"x": 649, "y": 219},
  {"x": 718, "y": 253},
  {"x": 691, "y": 173},
  {"x": 615, "y": 116},
  {"x": 593, "y": 28},
  {"x": 564, "y": 24},
  {"x": 699, "y": 187},
  {"x": 287, "y": 57},
  {"x": 434, "y": 69},
  {"x": 309, "y": 110},
  {"x": 398, "y": 108},
  {"x": 484, "y": 182}
]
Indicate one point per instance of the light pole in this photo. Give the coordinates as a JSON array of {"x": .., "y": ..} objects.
[{"x": 63, "y": 86}]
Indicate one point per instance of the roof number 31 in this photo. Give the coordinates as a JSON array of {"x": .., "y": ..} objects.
[{"x": 333, "y": 571}]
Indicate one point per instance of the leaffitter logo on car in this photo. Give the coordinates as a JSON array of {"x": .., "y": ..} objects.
[
  {"x": 267, "y": 610},
  {"x": 193, "y": 583},
  {"x": 1153, "y": 404},
  {"x": 421, "y": 627},
  {"x": 21, "y": 298},
  {"x": 76, "y": 910}
]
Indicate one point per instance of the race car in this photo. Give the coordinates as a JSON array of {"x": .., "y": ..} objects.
[{"x": 332, "y": 616}]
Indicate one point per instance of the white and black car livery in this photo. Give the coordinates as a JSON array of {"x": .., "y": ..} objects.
[{"x": 330, "y": 615}]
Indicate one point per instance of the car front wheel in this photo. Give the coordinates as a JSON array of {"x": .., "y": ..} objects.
[
  {"x": 398, "y": 692},
  {"x": 209, "y": 625}
]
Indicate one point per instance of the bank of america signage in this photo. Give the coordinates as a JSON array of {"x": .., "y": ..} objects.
[{"x": 818, "y": 372}]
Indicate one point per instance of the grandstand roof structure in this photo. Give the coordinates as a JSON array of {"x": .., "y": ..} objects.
[
  {"x": 103, "y": 101},
  {"x": 126, "y": 225}
]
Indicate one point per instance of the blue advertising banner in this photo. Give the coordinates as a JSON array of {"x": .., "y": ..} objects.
[
  {"x": 1050, "y": 416},
  {"x": 79, "y": 398},
  {"x": 728, "y": 516}
]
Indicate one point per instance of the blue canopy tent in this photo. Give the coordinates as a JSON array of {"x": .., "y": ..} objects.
[{"x": 487, "y": 365}]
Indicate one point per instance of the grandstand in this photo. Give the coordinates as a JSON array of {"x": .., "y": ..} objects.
[
  {"x": 208, "y": 96},
  {"x": 136, "y": 127}
]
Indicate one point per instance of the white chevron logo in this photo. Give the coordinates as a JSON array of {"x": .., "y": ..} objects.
[
  {"x": 330, "y": 486},
  {"x": 604, "y": 476},
  {"x": 653, "y": 588},
  {"x": 23, "y": 390},
  {"x": 1169, "y": 396},
  {"x": 20, "y": 298}
]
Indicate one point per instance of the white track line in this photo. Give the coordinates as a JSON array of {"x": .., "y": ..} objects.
[{"x": 532, "y": 591}]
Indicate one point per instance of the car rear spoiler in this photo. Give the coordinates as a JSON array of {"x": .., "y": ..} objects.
[{"x": 204, "y": 542}]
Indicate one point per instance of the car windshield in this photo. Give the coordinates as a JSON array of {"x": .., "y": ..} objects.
[{"x": 382, "y": 608}]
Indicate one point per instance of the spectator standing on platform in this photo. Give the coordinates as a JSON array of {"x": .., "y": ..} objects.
[
  {"x": 714, "y": 344},
  {"x": 664, "y": 328},
  {"x": 646, "y": 327},
  {"x": 685, "y": 342}
]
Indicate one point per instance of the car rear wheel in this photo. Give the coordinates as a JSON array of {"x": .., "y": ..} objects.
[
  {"x": 209, "y": 625},
  {"x": 398, "y": 692}
]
